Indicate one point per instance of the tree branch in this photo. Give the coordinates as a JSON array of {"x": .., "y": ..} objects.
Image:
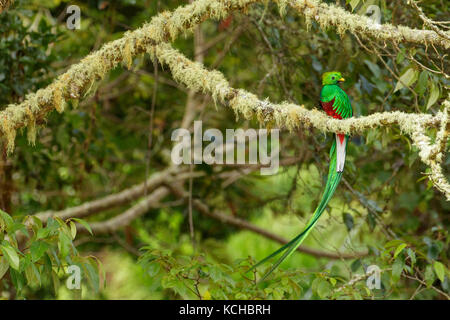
[
  {"x": 117, "y": 199},
  {"x": 428, "y": 21},
  {"x": 81, "y": 78},
  {"x": 129, "y": 215}
]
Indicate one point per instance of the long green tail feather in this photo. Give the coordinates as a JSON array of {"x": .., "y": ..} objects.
[
  {"x": 332, "y": 182},
  {"x": 315, "y": 217}
]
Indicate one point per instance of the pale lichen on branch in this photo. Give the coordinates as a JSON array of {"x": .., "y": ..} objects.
[
  {"x": 292, "y": 116},
  {"x": 81, "y": 78},
  {"x": 329, "y": 15}
]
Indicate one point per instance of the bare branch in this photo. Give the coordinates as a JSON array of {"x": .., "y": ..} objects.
[
  {"x": 430, "y": 23},
  {"x": 113, "y": 200},
  {"x": 81, "y": 78},
  {"x": 129, "y": 215}
]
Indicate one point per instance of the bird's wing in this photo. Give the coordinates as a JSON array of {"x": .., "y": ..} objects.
[
  {"x": 338, "y": 106},
  {"x": 342, "y": 105}
]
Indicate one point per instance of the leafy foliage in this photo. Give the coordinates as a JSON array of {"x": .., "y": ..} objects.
[{"x": 43, "y": 256}]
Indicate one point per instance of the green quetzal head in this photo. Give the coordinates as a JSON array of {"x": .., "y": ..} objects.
[{"x": 332, "y": 77}]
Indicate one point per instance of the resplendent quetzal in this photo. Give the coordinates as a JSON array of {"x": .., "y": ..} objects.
[{"x": 336, "y": 104}]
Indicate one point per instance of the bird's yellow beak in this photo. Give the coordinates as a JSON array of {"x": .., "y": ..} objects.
[{"x": 341, "y": 80}]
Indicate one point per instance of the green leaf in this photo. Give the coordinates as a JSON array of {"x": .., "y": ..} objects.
[
  {"x": 355, "y": 265},
  {"x": 42, "y": 233},
  {"x": 100, "y": 268},
  {"x": 153, "y": 269},
  {"x": 84, "y": 224},
  {"x": 37, "y": 249},
  {"x": 357, "y": 295},
  {"x": 399, "y": 249},
  {"x": 18, "y": 226},
  {"x": 36, "y": 273},
  {"x": 64, "y": 244},
  {"x": 37, "y": 221},
  {"x": 429, "y": 275},
  {"x": 412, "y": 256},
  {"x": 440, "y": 270},
  {"x": 321, "y": 287},
  {"x": 434, "y": 249},
  {"x": 397, "y": 269},
  {"x": 393, "y": 243},
  {"x": 422, "y": 83},
  {"x": 6, "y": 220},
  {"x": 371, "y": 221},
  {"x": 55, "y": 281},
  {"x": 73, "y": 229},
  {"x": 4, "y": 266},
  {"x": 54, "y": 255},
  {"x": 354, "y": 4},
  {"x": 348, "y": 221},
  {"x": 406, "y": 79},
  {"x": 31, "y": 276},
  {"x": 400, "y": 56},
  {"x": 324, "y": 289},
  {"x": 374, "y": 68},
  {"x": 17, "y": 279},
  {"x": 92, "y": 276},
  {"x": 333, "y": 281},
  {"x": 434, "y": 95},
  {"x": 10, "y": 254}
]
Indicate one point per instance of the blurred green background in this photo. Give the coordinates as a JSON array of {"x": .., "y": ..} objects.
[{"x": 386, "y": 207}]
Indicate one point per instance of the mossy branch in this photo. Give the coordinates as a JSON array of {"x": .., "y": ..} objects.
[
  {"x": 4, "y": 4},
  {"x": 81, "y": 78},
  {"x": 196, "y": 77},
  {"x": 330, "y": 15}
]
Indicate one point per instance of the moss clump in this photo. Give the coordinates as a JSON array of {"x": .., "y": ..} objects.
[
  {"x": 10, "y": 134},
  {"x": 58, "y": 100},
  {"x": 128, "y": 54}
]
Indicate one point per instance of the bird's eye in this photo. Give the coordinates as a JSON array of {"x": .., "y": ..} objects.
[{"x": 332, "y": 78}]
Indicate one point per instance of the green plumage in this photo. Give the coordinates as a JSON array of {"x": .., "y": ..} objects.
[
  {"x": 341, "y": 103},
  {"x": 338, "y": 107}
]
